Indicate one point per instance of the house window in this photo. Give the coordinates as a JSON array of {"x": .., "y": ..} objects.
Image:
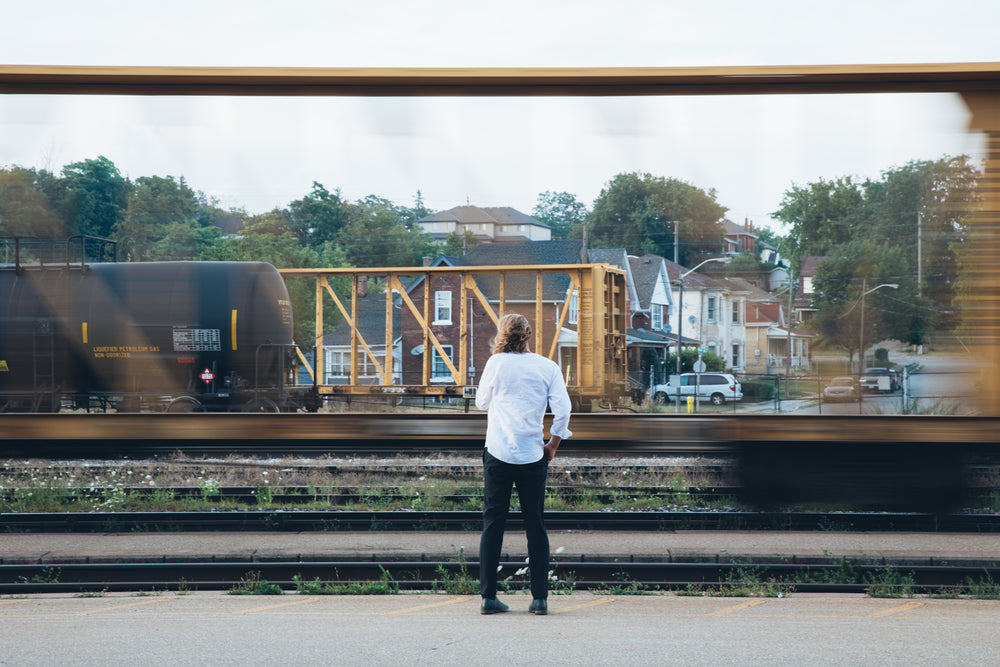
[
  {"x": 439, "y": 370},
  {"x": 442, "y": 307},
  {"x": 657, "y": 317},
  {"x": 711, "y": 309},
  {"x": 736, "y": 355},
  {"x": 712, "y": 348},
  {"x": 573, "y": 309},
  {"x": 736, "y": 312}
]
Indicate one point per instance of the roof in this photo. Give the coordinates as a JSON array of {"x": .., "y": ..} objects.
[
  {"x": 694, "y": 280},
  {"x": 809, "y": 265},
  {"x": 731, "y": 228},
  {"x": 371, "y": 323},
  {"x": 501, "y": 215},
  {"x": 645, "y": 272},
  {"x": 525, "y": 253}
]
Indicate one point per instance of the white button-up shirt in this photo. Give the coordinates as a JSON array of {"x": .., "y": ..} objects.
[{"x": 514, "y": 390}]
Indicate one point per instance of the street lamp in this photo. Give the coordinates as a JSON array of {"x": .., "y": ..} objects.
[
  {"x": 861, "y": 336},
  {"x": 680, "y": 317}
]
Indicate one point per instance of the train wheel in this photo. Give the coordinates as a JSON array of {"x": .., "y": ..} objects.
[
  {"x": 184, "y": 404},
  {"x": 260, "y": 405}
]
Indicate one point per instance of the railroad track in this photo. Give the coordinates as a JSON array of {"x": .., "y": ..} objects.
[
  {"x": 754, "y": 577},
  {"x": 471, "y": 521}
]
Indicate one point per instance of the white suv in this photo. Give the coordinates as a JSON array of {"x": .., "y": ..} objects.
[{"x": 716, "y": 387}]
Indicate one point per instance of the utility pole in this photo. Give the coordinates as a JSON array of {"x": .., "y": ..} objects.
[
  {"x": 920, "y": 255},
  {"x": 677, "y": 240}
]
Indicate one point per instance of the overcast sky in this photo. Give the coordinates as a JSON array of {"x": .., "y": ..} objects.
[{"x": 261, "y": 153}]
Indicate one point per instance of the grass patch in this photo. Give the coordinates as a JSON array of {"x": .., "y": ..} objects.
[
  {"x": 252, "y": 584},
  {"x": 458, "y": 583},
  {"x": 385, "y": 585}
]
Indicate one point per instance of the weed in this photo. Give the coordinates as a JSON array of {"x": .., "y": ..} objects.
[
  {"x": 183, "y": 588},
  {"x": 889, "y": 583},
  {"x": 459, "y": 583},
  {"x": 984, "y": 589},
  {"x": 252, "y": 584},
  {"x": 48, "y": 575},
  {"x": 92, "y": 594},
  {"x": 386, "y": 585}
]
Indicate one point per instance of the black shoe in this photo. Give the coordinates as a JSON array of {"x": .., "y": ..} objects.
[
  {"x": 492, "y": 606},
  {"x": 539, "y": 607}
]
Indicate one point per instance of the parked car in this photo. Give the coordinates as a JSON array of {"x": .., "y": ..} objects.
[
  {"x": 716, "y": 387},
  {"x": 841, "y": 389},
  {"x": 882, "y": 380}
]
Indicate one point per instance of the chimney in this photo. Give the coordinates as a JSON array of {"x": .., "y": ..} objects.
[
  {"x": 427, "y": 261},
  {"x": 362, "y": 285}
]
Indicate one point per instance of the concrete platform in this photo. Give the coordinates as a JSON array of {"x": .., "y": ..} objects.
[{"x": 679, "y": 546}]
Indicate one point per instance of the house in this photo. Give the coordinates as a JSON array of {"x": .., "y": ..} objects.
[
  {"x": 520, "y": 296},
  {"x": 496, "y": 224},
  {"x": 337, "y": 345},
  {"x": 776, "y": 346},
  {"x": 712, "y": 313},
  {"x": 803, "y": 309},
  {"x": 738, "y": 238}
]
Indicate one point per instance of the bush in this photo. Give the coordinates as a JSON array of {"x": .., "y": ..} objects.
[{"x": 761, "y": 390}]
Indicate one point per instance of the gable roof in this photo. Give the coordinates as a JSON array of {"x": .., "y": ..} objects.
[
  {"x": 499, "y": 215},
  {"x": 371, "y": 323},
  {"x": 694, "y": 280},
  {"x": 646, "y": 270}
]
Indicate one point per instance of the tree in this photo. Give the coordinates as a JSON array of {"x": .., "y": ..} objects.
[
  {"x": 24, "y": 208},
  {"x": 95, "y": 196},
  {"x": 319, "y": 216},
  {"x": 377, "y": 236},
  {"x": 561, "y": 211},
  {"x": 823, "y": 215},
  {"x": 637, "y": 212},
  {"x": 457, "y": 245},
  {"x": 162, "y": 222},
  {"x": 858, "y": 266}
]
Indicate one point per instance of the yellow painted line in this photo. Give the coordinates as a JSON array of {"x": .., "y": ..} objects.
[
  {"x": 592, "y": 603},
  {"x": 409, "y": 610},
  {"x": 234, "y": 329},
  {"x": 84, "y": 332},
  {"x": 276, "y": 606},
  {"x": 738, "y": 607},
  {"x": 121, "y": 606},
  {"x": 895, "y": 610},
  {"x": 2, "y": 603}
]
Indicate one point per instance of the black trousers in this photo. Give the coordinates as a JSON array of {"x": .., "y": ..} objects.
[{"x": 499, "y": 479}]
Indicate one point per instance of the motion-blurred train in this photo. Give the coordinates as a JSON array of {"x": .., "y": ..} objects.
[{"x": 175, "y": 336}]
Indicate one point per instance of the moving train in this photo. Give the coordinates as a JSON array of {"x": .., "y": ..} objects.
[{"x": 175, "y": 336}]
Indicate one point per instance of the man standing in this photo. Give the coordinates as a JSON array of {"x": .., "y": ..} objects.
[{"x": 515, "y": 388}]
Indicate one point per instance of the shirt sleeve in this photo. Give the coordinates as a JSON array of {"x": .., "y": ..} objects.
[
  {"x": 484, "y": 393},
  {"x": 560, "y": 405}
]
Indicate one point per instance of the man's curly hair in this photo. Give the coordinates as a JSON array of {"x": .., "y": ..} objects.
[{"x": 512, "y": 334}]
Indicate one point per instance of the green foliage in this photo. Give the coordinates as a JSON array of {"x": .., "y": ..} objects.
[
  {"x": 24, "y": 208},
  {"x": 714, "y": 363},
  {"x": 95, "y": 197},
  {"x": 828, "y": 217},
  {"x": 637, "y": 212},
  {"x": 890, "y": 583},
  {"x": 561, "y": 211},
  {"x": 761, "y": 390},
  {"x": 252, "y": 584},
  {"x": 457, "y": 245},
  {"x": 385, "y": 585},
  {"x": 459, "y": 583}
]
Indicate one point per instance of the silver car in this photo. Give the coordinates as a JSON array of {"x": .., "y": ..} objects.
[{"x": 841, "y": 389}]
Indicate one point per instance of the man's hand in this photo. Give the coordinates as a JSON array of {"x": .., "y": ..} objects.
[{"x": 551, "y": 446}]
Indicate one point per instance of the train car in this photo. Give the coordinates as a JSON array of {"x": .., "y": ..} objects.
[{"x": 178, "y": 336}]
